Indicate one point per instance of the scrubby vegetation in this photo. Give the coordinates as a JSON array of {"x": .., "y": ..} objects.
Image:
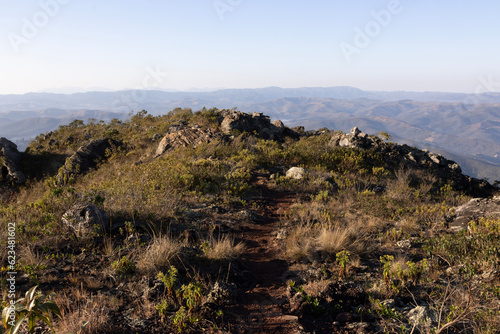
[{"x": 366, "y": 239}]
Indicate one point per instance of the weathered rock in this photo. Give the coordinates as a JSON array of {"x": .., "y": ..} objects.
[
  {"x": 296, "y": 173},
  {"x": 422, "y": 315},
  {"x": 355, "y": 139},
  {"x": 258, "y": 123},
  {"x": 404, "y": 244},
  {"x": 88, "y": 156},
  {"x": 85, "y": 219},
  {"x": 222, "y": 294},
  {"x": 447, "y": 171},
  {"x": 185, "y": 137},
  {"x": 475, "y": 209},
  {"x": 11, "y": 161}
]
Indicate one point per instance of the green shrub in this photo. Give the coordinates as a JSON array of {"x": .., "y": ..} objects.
[{"x": 123, "y": 266}]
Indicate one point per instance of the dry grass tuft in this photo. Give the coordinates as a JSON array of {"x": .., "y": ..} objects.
[
  {"x": 300, "y": 243},
  {"x": 159, "y": 254},
  {"x": 88, "y": 314},
  {"x": 223, "y": 248},
  {"x": 332, "y": 240},
  {"x": 28, "y": 256},
  {"x": 398, "y": 188}
]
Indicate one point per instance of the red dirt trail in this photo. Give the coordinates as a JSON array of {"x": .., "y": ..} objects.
[{"x": 263, "y": 307}]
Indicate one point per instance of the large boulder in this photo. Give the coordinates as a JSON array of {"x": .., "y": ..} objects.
[
  {"x": 11, "y": 161},
  {"x": 233, "y": 120},
  {"x": 88, "y": 156},
  {"x": 191, "y": 137},
  {"x": 474, "y": 210},
  {"x": 85, "y": 219}
]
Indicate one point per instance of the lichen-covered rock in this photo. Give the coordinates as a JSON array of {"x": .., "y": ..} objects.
[
  {"x": 233, "y": 120},
  {"x": 191, "y": 137},
  {"x": 475, "y": 209},
  {"x": 423, "y": 316},
  {"x": 85, "y": 219},
  {"x": 11, "y": 161},
  {"x": 296, "y": 173},
  {"x": 222, "y": 294}
]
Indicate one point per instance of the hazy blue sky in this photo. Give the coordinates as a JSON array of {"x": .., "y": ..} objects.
[{"x": 181, "y": 44}]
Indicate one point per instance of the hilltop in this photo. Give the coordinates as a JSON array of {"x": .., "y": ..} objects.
[
  {"x": 463, "y": 127},
  {"x": 227, "y": 222}
]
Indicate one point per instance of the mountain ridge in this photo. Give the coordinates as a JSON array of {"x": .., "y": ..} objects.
[{"x": 469, "y": 130}]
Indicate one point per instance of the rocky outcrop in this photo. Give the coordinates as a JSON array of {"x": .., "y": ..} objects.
[
  {"x": 230, "y": 121},
  {"x": 233, "y": 120},
  {"x": 191, "y": 137},
  {"x": 88, "y": 156},
  {"x": 85, "y": 219},
  {"x": 11, "y": 161},
  {"x": 413, "y": 158},
  {"x": 474, "y": 210}
]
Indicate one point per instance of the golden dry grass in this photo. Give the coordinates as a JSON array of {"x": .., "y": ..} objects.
[
  {"x": 28, "y": 256},
  {"x": 222, "y": 248},
  {"x": 82, "y": 313},
  {"x": 332, "y": 240},
  {"x": 300, "y": 243},
  {"x": 159, "y": 254}
]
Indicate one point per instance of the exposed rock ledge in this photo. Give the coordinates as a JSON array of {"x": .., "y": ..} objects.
[
  {"x": 11, "y": 161},
  {"x": 414, "y": 158}
]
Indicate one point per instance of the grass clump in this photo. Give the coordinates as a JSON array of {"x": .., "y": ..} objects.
[
  {"x": 222, "y": 249},
  {"x": 159, "y": 254}
]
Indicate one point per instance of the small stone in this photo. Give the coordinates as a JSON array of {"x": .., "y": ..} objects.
[
  {"x": 296, "y": 173},
  {"x": 293, "y": 318},
  {"x": 404, "y": 244},
  {"x": 422, "y": 315}
]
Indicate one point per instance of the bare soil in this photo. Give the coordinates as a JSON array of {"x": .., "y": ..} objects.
[{"x": 263, "y": 308}]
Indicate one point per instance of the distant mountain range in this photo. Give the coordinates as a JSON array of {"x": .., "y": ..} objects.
[{"x": 463, "y": 127}]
